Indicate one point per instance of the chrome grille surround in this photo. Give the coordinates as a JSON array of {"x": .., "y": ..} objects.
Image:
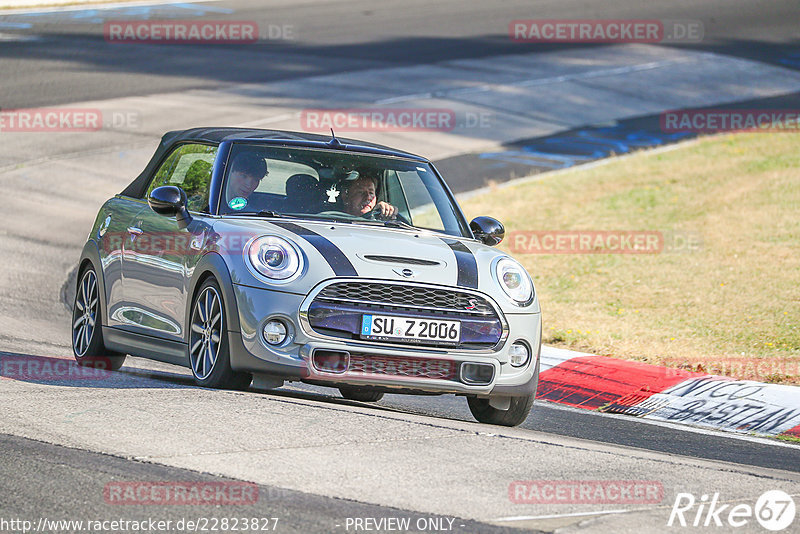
[{"x": 486, "y": 304}]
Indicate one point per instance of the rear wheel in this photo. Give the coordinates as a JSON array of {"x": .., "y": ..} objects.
[
  {"x": 517, "y": 412},
  {"x": 87, "y": 331},
  {"x": 360, "y": 394},
  {"x": 208, "y": 342}
]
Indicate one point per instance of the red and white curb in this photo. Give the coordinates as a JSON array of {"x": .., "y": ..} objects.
[{"x": 666, "y": 394}]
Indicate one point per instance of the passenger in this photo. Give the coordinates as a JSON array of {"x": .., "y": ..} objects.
[
  {"x": 359, "y": 199},
  {"x": 247, "y": 171}
]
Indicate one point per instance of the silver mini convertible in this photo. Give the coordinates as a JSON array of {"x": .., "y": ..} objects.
[{"x": 246, "y": 253}]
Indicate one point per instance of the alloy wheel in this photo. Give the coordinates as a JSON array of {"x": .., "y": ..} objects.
[
  {"x": 84, "y": 317},
  {"x": 206, "y": 331}
]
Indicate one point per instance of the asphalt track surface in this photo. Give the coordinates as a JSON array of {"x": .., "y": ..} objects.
[
  {"x": 70, "y": 62},
  {"x": 551, "y": 418},
  {"x": 40, "y": 479}
]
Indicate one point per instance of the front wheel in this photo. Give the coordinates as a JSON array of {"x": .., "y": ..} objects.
[
  {"x": 87, "y": 326},
  {"x": 208, "y": 342},
  {"x": 517, "y": 412},
  {"x": 361, "y": 394}
]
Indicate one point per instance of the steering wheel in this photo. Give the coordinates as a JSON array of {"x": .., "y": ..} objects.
[{"x": 375, "y": 214}]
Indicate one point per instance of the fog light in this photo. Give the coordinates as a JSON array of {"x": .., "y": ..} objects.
[
  {"x": 478, "y": 374},
  {"x": 519, "y": 354},
  {"x": 330, "y": 361},
  {"x": 275, "y": 332}
]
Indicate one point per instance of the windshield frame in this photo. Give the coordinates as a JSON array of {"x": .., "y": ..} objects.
[{"x": 220, "y": 177}]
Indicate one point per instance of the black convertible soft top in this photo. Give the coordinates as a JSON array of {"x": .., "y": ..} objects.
[{"x": 217, "y": 135}]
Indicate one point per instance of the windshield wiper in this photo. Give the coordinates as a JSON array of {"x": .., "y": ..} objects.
[
  {"x": 263, "y": 213},
  {"x": 399, "y": 224},
  {"x": 389, "y": 224}
]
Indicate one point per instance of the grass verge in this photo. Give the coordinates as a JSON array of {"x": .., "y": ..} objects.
[{"x": 723, "y": 296}]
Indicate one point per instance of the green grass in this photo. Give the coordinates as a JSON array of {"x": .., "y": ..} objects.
[{"x": 735, "y": 296}]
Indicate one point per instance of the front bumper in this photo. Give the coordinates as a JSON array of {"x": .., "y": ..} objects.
[{"x": 402, "y": 369}]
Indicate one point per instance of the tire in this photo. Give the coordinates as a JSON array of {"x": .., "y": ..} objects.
[
  {"x": 515, "y": 415},
  {"x": 87, "y": 326},
  {"x": 208, "y": 349},
  {"x": 360, "y": 394}
]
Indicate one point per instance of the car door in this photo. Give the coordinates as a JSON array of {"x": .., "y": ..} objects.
[
  {"x": 116, "y": 217},
  {"x": 158, "y": 254}
]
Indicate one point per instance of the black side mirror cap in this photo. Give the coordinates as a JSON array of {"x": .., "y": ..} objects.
[
  {"x": 487, "y": 230},
  {"x": 170, "y": 201}
]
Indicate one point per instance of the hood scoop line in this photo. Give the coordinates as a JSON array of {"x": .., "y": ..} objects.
[{"x": 400, "y": 259}]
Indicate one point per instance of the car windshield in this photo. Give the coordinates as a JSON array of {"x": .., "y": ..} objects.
[{"x": 336, "y": 185}]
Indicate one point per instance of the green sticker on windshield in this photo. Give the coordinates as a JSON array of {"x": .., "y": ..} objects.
[{"x": 237, "y": 203}]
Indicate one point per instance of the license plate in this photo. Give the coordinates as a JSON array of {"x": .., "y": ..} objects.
[{"x": 391, "y": 327}]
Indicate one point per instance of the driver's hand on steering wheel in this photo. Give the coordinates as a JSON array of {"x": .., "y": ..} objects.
[{"x": 384, "y": 210}]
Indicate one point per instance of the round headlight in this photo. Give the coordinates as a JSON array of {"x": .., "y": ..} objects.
[
  {"x": 274, "y": 257},
  {"x": 514, "y": 280}
]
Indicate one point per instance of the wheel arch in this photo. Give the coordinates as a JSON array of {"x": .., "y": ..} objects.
[
  {"x": 90, "y": 255},
  {"x": 212, "y": 265}
]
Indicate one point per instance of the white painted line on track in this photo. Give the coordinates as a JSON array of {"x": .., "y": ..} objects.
[
  {"x": 18, "y": 38},
  {"x": 87, "y": 5},
  {"x": 558, "y": 516}
]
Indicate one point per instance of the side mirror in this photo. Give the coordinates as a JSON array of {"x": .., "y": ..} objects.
[
  {"x": 487, "y": 230},
  {"x": 170, "y": 201}
]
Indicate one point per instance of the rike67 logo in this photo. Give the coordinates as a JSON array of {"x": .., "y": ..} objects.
[{"x": 774, "y": 510}]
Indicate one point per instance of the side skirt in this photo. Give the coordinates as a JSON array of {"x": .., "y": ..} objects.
[{"x": 145, "y": 346}]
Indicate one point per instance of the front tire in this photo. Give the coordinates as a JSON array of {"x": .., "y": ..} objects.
[
  {"x": 515, "y": 415},
  {"x": 87, "y": 326},
  {"x": 208, "y": 342},
  {"x": 360, "y": 394}
]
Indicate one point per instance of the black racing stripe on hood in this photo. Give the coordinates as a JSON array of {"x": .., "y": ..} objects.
[
  {"x": 467, "y": 265},
  {"x": 336, "y": 259}
]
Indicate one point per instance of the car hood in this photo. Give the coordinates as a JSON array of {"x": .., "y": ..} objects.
[{"x": 374, "y": 252}]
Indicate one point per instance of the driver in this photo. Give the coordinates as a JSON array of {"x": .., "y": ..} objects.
[{"x": 359, "y": 199}]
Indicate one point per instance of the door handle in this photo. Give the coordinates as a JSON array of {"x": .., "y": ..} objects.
[{"x": 135, "y": 232}]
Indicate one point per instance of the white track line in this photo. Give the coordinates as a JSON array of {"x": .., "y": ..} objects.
[{"x": 557, "y": 516}]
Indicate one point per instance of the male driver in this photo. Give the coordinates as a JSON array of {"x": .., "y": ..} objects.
[
  {"x": 359, "y": 199},
  {"x": 247, "y": 171}
]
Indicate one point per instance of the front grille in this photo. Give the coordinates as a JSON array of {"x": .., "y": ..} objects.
[
  {"x": 406, "y": 296},
  {"x": 338, "y": 310}
]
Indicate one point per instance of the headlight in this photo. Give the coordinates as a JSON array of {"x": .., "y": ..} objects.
[
  {"x": 514, "y": 280},
  {"x": 275, "y": 258}
]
